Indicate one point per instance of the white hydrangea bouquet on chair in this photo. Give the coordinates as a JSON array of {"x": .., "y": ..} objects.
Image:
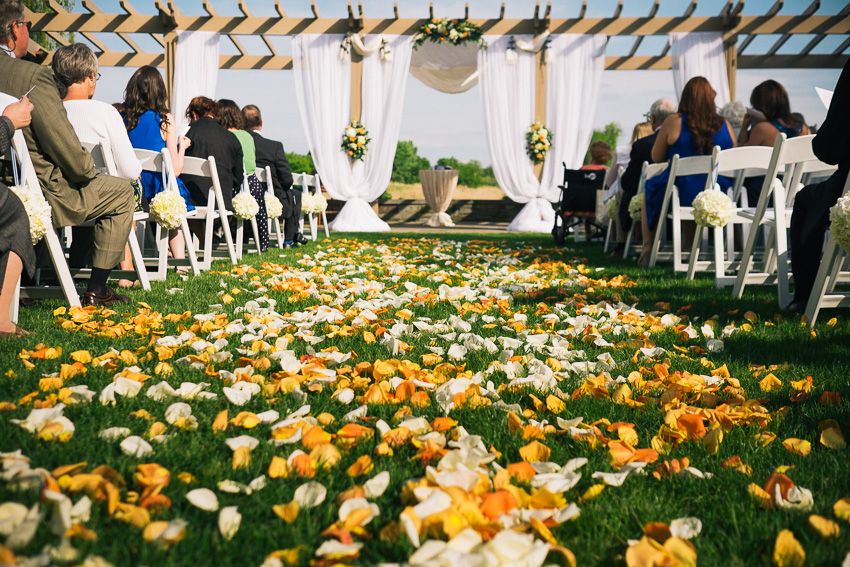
[
  {"x": 274, "y": 207},
  {"x": 839, "y": 218},
  {"x": 245, "y": 206},
  {"x": 636, "y": 207},
  {"x": 38, "y": 210},
  {"x": 168, "y": 209},
  {"x": 713, "y": 208},
  {"x": 308, "y": 204}
]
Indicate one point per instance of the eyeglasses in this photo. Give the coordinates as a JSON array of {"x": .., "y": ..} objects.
[
  {"x": 97, "y": 77},
  {"x": 26, "y": 24}
]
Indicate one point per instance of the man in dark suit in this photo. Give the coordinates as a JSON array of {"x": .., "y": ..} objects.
[
  {"x": 641, "y": 152},
  {"x": 810, "y": 217},
  {"x": 271, "y": 153},
  {"x": 76, "y": 191}
]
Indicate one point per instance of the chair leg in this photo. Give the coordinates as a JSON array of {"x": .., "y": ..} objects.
[
  {"x": 256, "y": 230},
  {"x": 240, "y": 230},
  {"x": 139, "y": 262},
  {"x": 720, "y": 279},
  {"x": 821, "y": 283},
  {"x": 278, "y": 233},
  {"x": 190, "y": 247},
  {"x": 695, "y": 249},
  {"x": 325, "y": 224},
  {"x": 313, "y": 227},
  {"x": 14, "y": 307},
  {"x": 62, "y": 271}
]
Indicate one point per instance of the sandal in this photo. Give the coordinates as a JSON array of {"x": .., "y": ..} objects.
[
  {"x": 643, "y": 261},
  {"x": 16, "y": 334}
]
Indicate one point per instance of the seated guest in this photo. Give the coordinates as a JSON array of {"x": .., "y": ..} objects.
[
  {"x": 271, "y": 154},
  {"x": 231, "y": 118},
  {"x": 693, "y": 131},
  {"x": 772, "y": 116},
  {"x": 75, "y": 72},
  {"x": 150, "y": 126},
  {"x": 810, "y": 218},
  {"x": 16, "y": 250},
  {"x": 600, "y": 155},
  {"x": 641, "y": 152},
  {"x": 621, "y": 159},
  {"x": 76, "y": 191},
  {"x": 210, "y": 138}
]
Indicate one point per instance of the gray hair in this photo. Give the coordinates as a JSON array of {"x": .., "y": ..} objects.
[
  {"x": 11, "y": 11},
  {"x": 662, "y": 108},
  {"x": 73, "y": 64}
]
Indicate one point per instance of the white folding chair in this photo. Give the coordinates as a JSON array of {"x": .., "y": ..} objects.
[
  {"x": 214, "y": 209},
  {"x": 101, "y": 153},
  {"x": 317, "y": 185},
  {"x": 306, "y": 181},
  {"x": 240, "y": 225},
  {"x": 823, "y": 294},
  {"x": 679, "y": 167},
  {"x": 160, "y": 163},
  {"x": 612, "y": 226},
  {"x": 265, "y": 176},
  {"x": 737, "y": 163},
  {"x": 66, "y": 288},
  {"x": 648, "y": 171},
  {"x": 793, "y": 157}
]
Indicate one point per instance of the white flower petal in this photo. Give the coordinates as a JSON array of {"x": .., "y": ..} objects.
[
  {"x": 310, "y": 494},
  {"x": 135, "y": 446},
  {"x": 229, "y": 520},
  {"x": 377, "y": 485},
  {"x": 686, "y": 528},
  {"x": 203, "y": 498}
]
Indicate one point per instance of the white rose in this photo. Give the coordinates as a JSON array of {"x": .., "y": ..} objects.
[
  {"x": 361, "y": 139},
  {"x": 538, "y": 146},
  {"x": 543, "y": 132},
  {"x": 453, "y": 34},
  {"x": 350, "y": 132}
]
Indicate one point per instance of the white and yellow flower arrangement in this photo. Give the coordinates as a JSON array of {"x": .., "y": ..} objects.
[
  {"x": 839, "y": 219},
  {"x": 274, "y": 207},
  {"x": 38, "y": 210},
  {"x": 713, "y": 208},
  {"x": 355, "y": 141},
  {"x": 538, "y": 142},
  {"x": 245, "y": 206}
]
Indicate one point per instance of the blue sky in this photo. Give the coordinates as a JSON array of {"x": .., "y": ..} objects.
[{"x": 443, "y": 125}]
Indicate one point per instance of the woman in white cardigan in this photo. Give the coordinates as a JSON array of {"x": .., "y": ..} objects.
[{"x": 75, "y": 73}]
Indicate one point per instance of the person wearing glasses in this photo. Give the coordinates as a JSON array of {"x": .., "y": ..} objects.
[
  {"x": 75, "y": 72},
  {"x": 76, "y": 191}
]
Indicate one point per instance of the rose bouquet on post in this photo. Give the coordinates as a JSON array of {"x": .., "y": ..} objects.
[
  {"x": 456, "y": 32},
  {"x": 538, "y": 141},
  {"x": 355, "y": 141}
]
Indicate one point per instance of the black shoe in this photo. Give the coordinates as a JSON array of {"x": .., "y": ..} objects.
[
  {"x": 301, "y": 239},
  {"x": 106, "y": 300}
]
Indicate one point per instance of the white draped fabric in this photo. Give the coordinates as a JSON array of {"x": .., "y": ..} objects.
[
  {"x": 445, "y": 67},
  {"x": 575, "y": 70},
  {"x": 195, "y": 71},
  {"x": 323, "y": 88},
  {"x": 700, "y": 54}
]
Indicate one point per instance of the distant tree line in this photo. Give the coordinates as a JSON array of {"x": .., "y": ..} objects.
[{"x": 408, "y": 162}]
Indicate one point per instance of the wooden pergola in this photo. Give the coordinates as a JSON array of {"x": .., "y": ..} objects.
[{"x": 731, "y": 21}]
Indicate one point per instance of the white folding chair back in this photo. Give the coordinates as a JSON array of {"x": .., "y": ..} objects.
[
  {"x": 736, "y": 163},
  {"x": 823, "y": 294},
  {"x": 240, "y": 224},
  {"x": 648, "y": 171},
  {"x": 160, "y": 163},
  {"x": 104, "y": 160},
  {"x": 307, "y": 181},
  {"x": 265, "y": 177},
  {"x": 214, "y": 209},
  {"x": 611, "y": 224},
  {"x": 680, "y": 167},
  {"x": 66, "y": 287}
]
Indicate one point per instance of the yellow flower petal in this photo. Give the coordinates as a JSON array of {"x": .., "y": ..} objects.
[
  {"x": 787, "y": 551},
  {"x": 535, "y": 452},
  {"x": 826, "y": 528},
  {"x": 798, "y": 446}
]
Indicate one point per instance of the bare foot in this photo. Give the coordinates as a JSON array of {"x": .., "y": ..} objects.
[
  {"x": 125, "y": 283},
  {"x": 10, "y": 330}
]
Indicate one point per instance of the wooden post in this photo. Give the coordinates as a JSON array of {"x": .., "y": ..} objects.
[
  {"x": 356, "y": 85},
  {"x": 170, "y": 58},
  {"x": 540, "y": 98},
  {"x": 730, "y": 49}
]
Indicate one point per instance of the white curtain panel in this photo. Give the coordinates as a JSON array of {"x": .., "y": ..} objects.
[
  {"x": 445, "y": 67},
  {"x": 195, "y": 71},
  {"x": 323, "y": 88},
  {"x": 574, "y": 72},
  {"x": 700, "y": 54}
]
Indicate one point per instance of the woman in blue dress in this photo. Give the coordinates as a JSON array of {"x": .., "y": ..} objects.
[
  {"x": 150, "y": 126},
  {"x": 693, "y": 131}
]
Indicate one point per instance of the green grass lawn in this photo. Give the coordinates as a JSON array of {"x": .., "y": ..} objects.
[{"x": 357, "y": 297}]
